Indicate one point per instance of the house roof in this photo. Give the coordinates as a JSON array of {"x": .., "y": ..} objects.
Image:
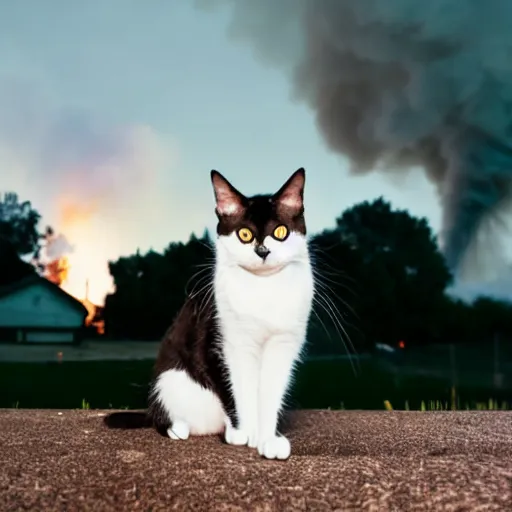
[{"x": 36, "y": 279}]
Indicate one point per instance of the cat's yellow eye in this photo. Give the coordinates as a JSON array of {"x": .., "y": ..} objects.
[
  {"x": 245, "y": 235},
  {"x": 281, "y": 232}
]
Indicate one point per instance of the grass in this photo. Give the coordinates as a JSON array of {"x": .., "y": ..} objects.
[
  {"x": 437, "y": 405},
  {"x": 319, "y": 384},
  {"x": 454, "y": 404}
]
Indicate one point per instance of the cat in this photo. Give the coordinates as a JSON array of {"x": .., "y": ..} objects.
[{"x": 227, "y": 361}]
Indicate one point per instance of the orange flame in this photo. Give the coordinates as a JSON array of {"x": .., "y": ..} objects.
[
  {"x": 70, "y": 271},
  {"x": 78, "y": 220},
  {"x": 92, "y": 319},
  {"x": 57, "y": 271}
]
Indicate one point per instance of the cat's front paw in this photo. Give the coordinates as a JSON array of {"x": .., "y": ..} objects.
[
  {"x": 275, "y": 447},
  {"x": 179, "y": 430},
  {"x": 252, "y": 440},
  {"x": 235, "y": 436}
]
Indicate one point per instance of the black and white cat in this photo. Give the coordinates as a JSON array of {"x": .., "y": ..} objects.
[{"x": 226, "y": 363}]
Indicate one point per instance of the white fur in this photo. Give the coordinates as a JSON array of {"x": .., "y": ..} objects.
[
  {"x": 179, "y": 430},
  {"x": 277, "y": 447},
  {"x": 263, "y": 321},
  {"x": 193, "y": 409}
]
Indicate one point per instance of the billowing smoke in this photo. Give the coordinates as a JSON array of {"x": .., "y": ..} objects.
[
  {"x": 56, "y": 245},
  {"x": 52, "y": 259},
  {"x": 401, "y": 83}
]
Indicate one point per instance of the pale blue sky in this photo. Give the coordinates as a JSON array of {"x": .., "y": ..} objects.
[{"x": 84, "y": 83}]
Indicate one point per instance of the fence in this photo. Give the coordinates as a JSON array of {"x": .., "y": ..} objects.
[{"x": 487, "y": 364}]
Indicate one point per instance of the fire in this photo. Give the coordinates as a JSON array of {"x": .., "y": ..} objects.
[
  {"x": 55, "y": 263},
  {"x": 57, "y": 270},
  {"x": 93, "y": 318},
  {"x": 87, "y": 259},
  {"x": 70, "y": 266}
]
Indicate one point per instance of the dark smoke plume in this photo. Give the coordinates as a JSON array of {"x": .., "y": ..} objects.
[{"x": 401, "y": 83}]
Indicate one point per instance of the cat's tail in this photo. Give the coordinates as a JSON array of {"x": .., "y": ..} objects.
[{"x": 128, "y": 420}]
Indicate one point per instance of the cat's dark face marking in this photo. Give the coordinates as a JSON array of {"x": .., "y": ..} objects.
[
  {"x": 260, "y": 213},
  {"x": 267, "y": 228}
]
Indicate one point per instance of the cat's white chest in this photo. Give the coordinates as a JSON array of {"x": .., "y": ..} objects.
[{"x": 278, "y": 303}]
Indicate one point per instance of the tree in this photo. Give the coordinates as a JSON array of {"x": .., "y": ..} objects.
[
  {"x": 490, "y": 317},
  {"x": 12, "y": 267},
  {"x": 18, "y": 237},
  {"x": 402, "y": 243},
  {"x": 397, "y": 268},
  {"x": 18, "y": 224},
  {"x": 151, "y": 288},
  {"x": 334, "y": 326}
]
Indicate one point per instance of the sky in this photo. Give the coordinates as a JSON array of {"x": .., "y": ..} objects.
[{"x": 113, "y": 114}]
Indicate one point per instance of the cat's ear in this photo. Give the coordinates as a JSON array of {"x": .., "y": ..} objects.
[
  {"x": 291, "y": 194},
  {"x": 228, "y": 200}
]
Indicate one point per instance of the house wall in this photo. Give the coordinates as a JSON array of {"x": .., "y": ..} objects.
[
  {"x": 37, "y": 306},
  {"x": 66, "y": 336}
]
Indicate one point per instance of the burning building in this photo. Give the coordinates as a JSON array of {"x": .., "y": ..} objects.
[
  {"x": 53, "y": 264},
  {"x": 35, "y": 310},
  {"x": 52, "y": 260},
  {"x": 94, "y": 317}
]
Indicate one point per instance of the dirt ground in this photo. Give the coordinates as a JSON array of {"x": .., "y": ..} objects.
[{"x": 345, "y": 460}]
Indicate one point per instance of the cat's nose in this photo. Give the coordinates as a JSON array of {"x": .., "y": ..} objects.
[{"x": 262, "y": 251}]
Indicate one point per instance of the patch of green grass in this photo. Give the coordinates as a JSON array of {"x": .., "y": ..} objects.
[
  {"x": 436, "y": 405},
  {"x": 319, "y": 384},
  {"x": 106, "y": 384}
]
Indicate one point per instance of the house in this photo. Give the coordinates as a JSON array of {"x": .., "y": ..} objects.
[{"x": 34, "y": 310}]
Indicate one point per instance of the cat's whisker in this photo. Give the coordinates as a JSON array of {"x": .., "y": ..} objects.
[
  {"x": 324, "y": 275},
  {"x": 322, "y": 283},
  {"x": 338, "y": 275},
  {"x": 197, "y": 274},
  {"x": 322, "y": 301},
  {"x": 317, "y": 300},
  {"x": 208, "y": 295},
  {"x": 333, "y": 308},
  {"x": 328, "y": 289},
  {"x": 210, "y": 245},
  {"x": 320, "y": 254},
  {"x": 208, "y": 264},
  {"x": 349, "y": 355},
  {"x": 203, "y": 288},
  {"x": 197, "y": 288},
  {"x": 322, "y": 323},
  {"x": 320, "y": 279}
]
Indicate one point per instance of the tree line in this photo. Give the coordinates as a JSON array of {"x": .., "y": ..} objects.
[{"x": 380, "y": 278}]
